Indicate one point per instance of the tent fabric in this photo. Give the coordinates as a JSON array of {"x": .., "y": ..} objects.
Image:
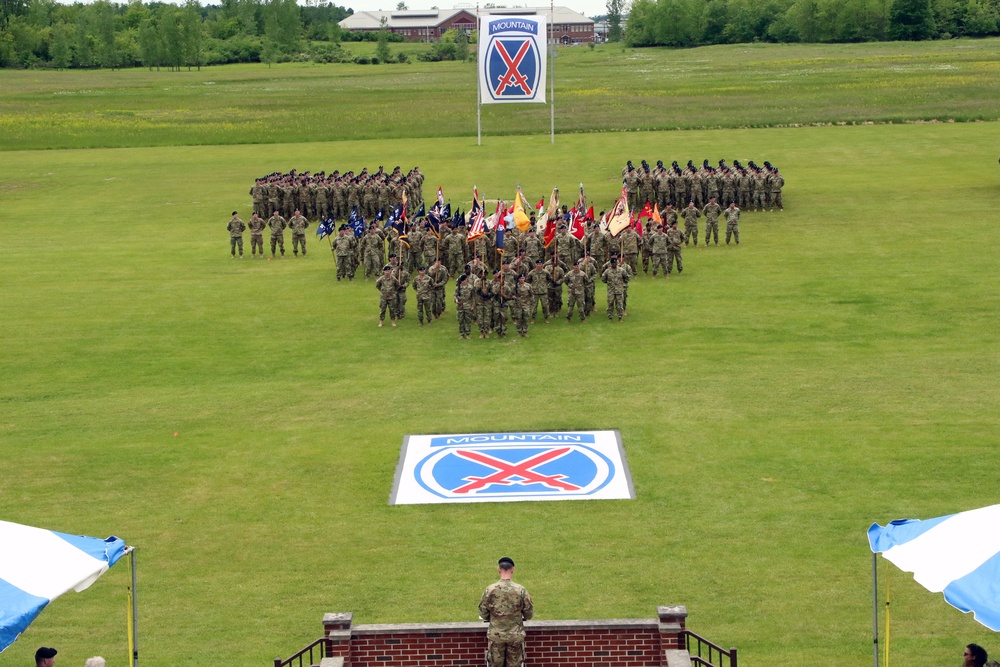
[
  {"x": 958, "y": 555},
  {"x": 38, "y": 565}
]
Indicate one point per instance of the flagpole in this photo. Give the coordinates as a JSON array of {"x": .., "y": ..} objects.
[
  {"x": 552, "y": 69},
  {"x": 479, "y": 93},
  {"x": 133, "y": 615}
]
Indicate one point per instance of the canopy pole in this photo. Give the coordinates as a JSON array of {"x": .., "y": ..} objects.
[
  {"x": 133, "y": 614},
  {"x": 875, "y": 604}
]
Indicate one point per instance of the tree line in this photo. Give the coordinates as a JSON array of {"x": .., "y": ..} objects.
[
  {"x": 684, "y": 23},
  {"x": 157, "y": 34}
]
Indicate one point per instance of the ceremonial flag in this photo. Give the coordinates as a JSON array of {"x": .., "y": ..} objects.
[
  {"x": 323, "y": 229},
  {"x": 541, "y": 217},
  {"x": 379, "y": 217},
  {"x": 499, "y": 239},
  {"x": 620, "y": 217},
  {"x": 440, "y": 198},
  {"x": 477, "y": 223},
  {"x": 398, "y": 222},
  {"x": 420, "y": 211},
  {"x": 358, "y": 225},
  {"x": 512, "y": 58},
  {"x": 405, "y": 209},
  {"x": 550, "y": 231},
  {"x": 553, "y": 209},
  {"x": 521, "y": 219},
  {"x": 459, "y": 219},
  {"x": 656, "y": 214},
  {"x": 435, "y": 222},
  {"x": 589, "y": 216},
  {"x": 647, "y": 211},
  {"x": 576, "y": 228},
  {"x": 38, "y": 565},
  {"x": 637, "y": 224}
]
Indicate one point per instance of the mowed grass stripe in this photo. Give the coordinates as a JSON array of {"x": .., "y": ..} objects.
[{"x": 835, "y": 369}]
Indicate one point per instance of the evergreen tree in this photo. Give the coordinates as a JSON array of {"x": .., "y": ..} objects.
[
  {"x": 911, "y": 20},
  {"x": 614, "y": 19}
]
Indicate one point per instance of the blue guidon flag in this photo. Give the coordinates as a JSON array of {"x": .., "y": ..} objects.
[
  {"x": 508, "y": 467},
  {"x": 512, "y": 59}
]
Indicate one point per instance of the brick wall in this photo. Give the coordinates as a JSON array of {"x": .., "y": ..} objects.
[{"x": 653, "y": 642}]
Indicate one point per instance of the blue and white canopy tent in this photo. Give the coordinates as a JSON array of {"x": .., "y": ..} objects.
[
  {"x": 958, "y": 555},
  {"x": 38, "y": 565}
]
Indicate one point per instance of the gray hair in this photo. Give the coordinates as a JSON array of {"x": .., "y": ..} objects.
[{"x": 96, "y": 661}]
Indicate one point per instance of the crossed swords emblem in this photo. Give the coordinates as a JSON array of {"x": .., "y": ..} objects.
[
  {"x": 512, "y": 77},
  {"x": 507, "y": 471}
]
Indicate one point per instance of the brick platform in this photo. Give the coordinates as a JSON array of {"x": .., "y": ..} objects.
[{"x": 630, "y": 642}]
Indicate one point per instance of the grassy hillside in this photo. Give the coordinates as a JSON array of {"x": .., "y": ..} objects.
[{"x": 597, "y": 90}]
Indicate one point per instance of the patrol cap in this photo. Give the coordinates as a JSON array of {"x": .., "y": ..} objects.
[
  {"x": 44, "y": 653},
  {"x": 506, "y": 560}
]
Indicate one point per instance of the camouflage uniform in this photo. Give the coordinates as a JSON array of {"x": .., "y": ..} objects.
[
  {"x": 373, "y": 252},
  {"x": 505, "y": 605},
  {"x": 236, "y": 227},
  {"x": 732, "y": 224},
  {"x": 277, "y": 225},
  {"x": 523, "y": 299},
  {"x": 691, "y": 215},
  {"x": 616, "y": 278},
  {"x": 630, "y": 248},
  {"x": 659, "y": 243},
  {"x": 539, "y": 281},
  {"x": 464, "y": 289},
  {"x": 298, "y": 225},
  {"x": 402, "y": 278},
  {"x": 423, "y": 285},
  {"x": 576, "y": 285},
  {"x": 675, "y": 239},
  {"x": 484, "y": 308},
  {"x": 776, "y": 183},
  {"x": 387, "y": 297},
  {"x": 439, "y": 274},
  {"x": 343, "y": 248},
  {"x": 256, "y": 235},
  {"x": 555, "y": 276},
  {"x": 712, "y": 211}
]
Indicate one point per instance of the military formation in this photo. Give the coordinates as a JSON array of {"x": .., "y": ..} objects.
[
  {"x": 321, "y": 195},
  {"x": 749, "y": 187},
  {"x": 509, "y": 279}
]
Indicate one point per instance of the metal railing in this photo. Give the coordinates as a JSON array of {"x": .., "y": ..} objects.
[
  {"x": 321, "y": 646},
  {"x": 707, "y": 654}
]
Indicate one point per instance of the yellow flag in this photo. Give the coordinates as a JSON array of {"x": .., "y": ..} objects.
[{"x": 521, "y": 219}]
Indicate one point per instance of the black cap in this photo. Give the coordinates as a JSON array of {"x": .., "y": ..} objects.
[
  {"x": 505, "y": 561},
  {"x": 387, "y": 268},
  {"x": 45, "y": 653}
]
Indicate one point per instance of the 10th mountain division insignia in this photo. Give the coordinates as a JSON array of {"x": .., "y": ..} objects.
[{"x": 503, "y": 467}]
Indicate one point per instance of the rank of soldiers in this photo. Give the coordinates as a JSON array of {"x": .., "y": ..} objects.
[
  {"x": 335, "y": 195},
  {"x": 749, "y": 186}
]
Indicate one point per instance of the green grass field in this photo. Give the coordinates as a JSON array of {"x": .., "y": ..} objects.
[{"x": 838, "y": 368}]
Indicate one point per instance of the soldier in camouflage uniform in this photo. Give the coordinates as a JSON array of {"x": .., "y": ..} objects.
[
  {"x": 712, "y": 211},
  {"x": 277, "y": 225},
  {"x": 522, "y": 305},
  {"x": 373, "y": 251},
  {"x": 464, "y": 288},
  {"x": 505, "y": 605},
  {"x": 659, "y": 243},
  {"x": 343, "y": 249},
  {"x": 298, "y": 225},
  {"x": 257, "y": 226},
  {"x": 387, "y": 295},
  {"x": 776, "y": 182},
  {"x": 675, "y": 239},
  {"x": 576, "y": 285},
  {"x": 484, "y": 307},
  {"x": 732, "y": 223},
  {"x": 236, "y": 227},
  {"x": 539, "y": 281},
  {"x": 691, "y": 215},
  {"x": 616, "y": 278},
  {"x": 423, "y": 285},
  {"x": 402, "y": 278},
  {"x": 439, "y": 274}
]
